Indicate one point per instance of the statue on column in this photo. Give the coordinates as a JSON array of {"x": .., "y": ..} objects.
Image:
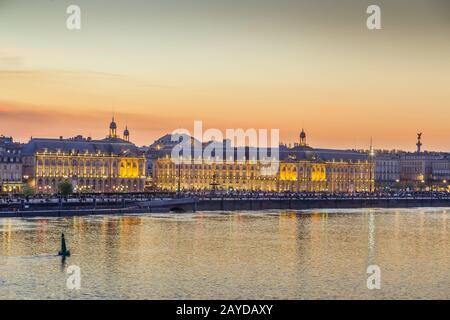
[{"x": 419, "y": 143}]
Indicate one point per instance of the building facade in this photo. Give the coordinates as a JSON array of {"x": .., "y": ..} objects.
[
  {"x": 299, "y": 169},
  {"x": 387, "y": 170},
  {"x": 417, "y": 170},
  {"x": 10, "y": 166},
  {"x": 93, "y": 166},
  {"x": 441, "y": 174}
]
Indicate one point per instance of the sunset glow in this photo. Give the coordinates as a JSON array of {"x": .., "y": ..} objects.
[{"x": 161, "y": 65}]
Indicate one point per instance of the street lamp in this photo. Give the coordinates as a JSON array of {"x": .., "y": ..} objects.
[{"x": 179, "y": 174}]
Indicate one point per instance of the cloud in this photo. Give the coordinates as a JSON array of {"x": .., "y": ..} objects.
[
  {"x": 10, "y": 59},
  {"x": 24, "y": 120}
]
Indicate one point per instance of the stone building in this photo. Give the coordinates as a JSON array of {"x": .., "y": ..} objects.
[
  {"x": 387, "y": 170},
  {"x": 299, "y": 169},
  {"x": 10, "y": 166},
  {"x": 112, "y": 164},
  {"x": 414, "y": 170},
  {"x": 441, "y": 173}
]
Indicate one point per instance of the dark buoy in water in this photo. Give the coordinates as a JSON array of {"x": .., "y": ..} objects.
[{"x": 64, "y": 252}]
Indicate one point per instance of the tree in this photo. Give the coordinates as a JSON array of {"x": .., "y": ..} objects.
[
  {"x": 28, "y": 191},
  {"x": 65, "y": 188}
]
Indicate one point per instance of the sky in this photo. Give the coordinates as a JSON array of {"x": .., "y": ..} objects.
[{"x": 265, "y": 64}]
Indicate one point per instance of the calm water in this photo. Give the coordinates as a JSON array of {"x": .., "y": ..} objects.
[{"x": 259, "y": 255}]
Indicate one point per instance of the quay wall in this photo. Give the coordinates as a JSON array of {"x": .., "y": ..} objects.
[
  {"x": 302, "y": 204},
  {"x": 217, "y": 204}
]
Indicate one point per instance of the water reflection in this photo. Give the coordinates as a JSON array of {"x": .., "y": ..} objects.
[{"x": 293, "y": 255}]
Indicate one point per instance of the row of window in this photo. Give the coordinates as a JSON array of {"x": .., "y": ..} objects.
[
  {"x": 9, "y": 167},
  {"x": 75, "y": 163},
  {"x": 10, "y": 176},
  {"x": 10, "y": 159}
]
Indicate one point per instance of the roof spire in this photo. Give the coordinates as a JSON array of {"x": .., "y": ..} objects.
[
  {"x": 371, "y": 151},
  {"x": 113, "y": 128},
  {"x": 126, "y": 134}
]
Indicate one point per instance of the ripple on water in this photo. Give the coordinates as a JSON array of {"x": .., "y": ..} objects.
[{"x": 273, "y": 254}]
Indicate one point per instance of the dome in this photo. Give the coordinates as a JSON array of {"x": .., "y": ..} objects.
[
  {"x": 126, "y": 132},
  {"x": 113, "y": 124},
  {"x": 303, "y": 134}
]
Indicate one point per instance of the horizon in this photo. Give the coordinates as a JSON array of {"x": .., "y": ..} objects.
[{"x": 288, "y": 143}]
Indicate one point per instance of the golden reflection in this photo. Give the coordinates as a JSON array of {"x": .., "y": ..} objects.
[
  {"x": 131, "y": 220},
  {"x": 6, "y": 235},
  {"x": 287, "y": 233},
  {"x": 79, "y": 224},
  {"x": 397, "y": 225},
  {"x": 238, "y": 218},
  {"x": 444, "y": 224},
  {"x": 199, "y": 228},
  {"x": 422, "y": 223},
  {"x": 42, "y": 230},
  {"x": 297, "y": 251},
  {"x": 104, "y": 225},
  {"x": 316, "y": 216},
  {"x": 318, "y": 241},
  {"x": 235, "y": 220}
]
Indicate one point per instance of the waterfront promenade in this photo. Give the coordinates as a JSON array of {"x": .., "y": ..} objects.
[{"x": 189, "y": 202}]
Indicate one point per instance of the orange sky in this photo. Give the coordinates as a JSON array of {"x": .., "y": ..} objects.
[{"x": 268, "y": 66}]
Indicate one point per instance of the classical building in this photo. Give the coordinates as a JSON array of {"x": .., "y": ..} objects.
[
  {"x": 441, "y": 173},
  {"x": 299, "y": 169},
  {"x": 113, "y": 164},
  {"x": 387, "y": 170},
  {"x": 310, "y": 169},
  {"x": 416, "y": 168},
  {"x": 10, "y": 166},
  {"x": 424, "y": 169}
]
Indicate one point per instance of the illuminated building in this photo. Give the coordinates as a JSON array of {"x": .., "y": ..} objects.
[
  {"x": 300, "y": 169},
  {"x": 109, "y": 165},
  {"x": 414, "y": 170},
  {"x": 10, "y": 166}
]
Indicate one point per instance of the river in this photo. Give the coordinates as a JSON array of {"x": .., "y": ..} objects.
[{"x": 314, "y": 254}]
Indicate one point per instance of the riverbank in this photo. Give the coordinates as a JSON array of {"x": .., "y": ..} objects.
[
  {"x": 281, "y": 256},
  {"x": 217, "y": 204}
]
